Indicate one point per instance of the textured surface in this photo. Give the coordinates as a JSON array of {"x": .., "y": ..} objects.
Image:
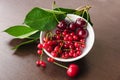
[{"x": 102, "y": 63}]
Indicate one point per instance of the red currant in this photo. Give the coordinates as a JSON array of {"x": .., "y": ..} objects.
[
  {"x": 39, "y": 52},
  {"x": 50, "y": 59},
  {"x": 39, "y": 46},
  {"x": 38, "y": 62}
]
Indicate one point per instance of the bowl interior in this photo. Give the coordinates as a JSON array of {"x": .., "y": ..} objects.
[{"x": 89, "y": 40}]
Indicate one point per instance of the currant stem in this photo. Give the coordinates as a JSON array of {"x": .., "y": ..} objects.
[
  {"x": 41, "y": 55},
  {"x": 60, "y": 65}
]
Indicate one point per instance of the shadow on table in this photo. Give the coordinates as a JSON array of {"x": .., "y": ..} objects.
[{"x": 24, "y": 50}]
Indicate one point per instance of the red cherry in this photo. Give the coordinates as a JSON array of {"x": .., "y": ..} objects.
[
  {"x": 81, "y": 23},
  {"x": 82, "y": 33},
  {"x": 58, "y": 31},
  {"x": 62, "y": 25},
  {"x": 73, "y": 70},
  {"x": 72, "y": 26}
]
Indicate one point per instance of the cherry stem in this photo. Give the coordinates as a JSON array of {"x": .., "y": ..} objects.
[
  {"x": 87, "y": 7},
  {"x": 53, "y": 5},
  {"x": 60, "y": 65}
]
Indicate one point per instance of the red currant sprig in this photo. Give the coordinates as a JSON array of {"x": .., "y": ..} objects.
[{"x": 40, "y": 53}]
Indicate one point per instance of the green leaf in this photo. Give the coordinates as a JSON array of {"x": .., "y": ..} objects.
[
  {"x": 43, "y": 20},
  {"x": 23, "y": 43},
  {"x": 70, "y": 11},
  {"x": 35, "y": 36},
  {"x": 20, "y": 31},
  {"x": 89, "y": 19}
]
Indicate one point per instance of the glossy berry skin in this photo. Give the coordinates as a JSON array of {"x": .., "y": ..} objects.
[
  {"x": 43, "y": 64},
  {"x": 45, "y": 39},
  {"x": 72, "y": 26},
  {"x": 58, "y": 31},
  {"x": 39, "y": 52},
  {"x": 82, "y": 33},
  {"x": 38, "y": 62},
  {"x": 54, "y": 54},
  {"x": 62, "y": 25},
  {"x": 39, "y": 46},
  {"x": 45, "y": 45},
  {"x": 80, "y": 23},
  {"x": 73, "y": 70},
  {"x": 50, "y": 59},
  {"x": 49, "y": 49}
]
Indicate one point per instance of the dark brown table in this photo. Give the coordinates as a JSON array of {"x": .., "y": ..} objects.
[{"x": 102, "y": 62}]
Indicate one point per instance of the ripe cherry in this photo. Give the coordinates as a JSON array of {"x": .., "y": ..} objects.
[
  {"x": 81, "y": 23},
  {"x": 82, "y": 33},
  {"x": 58, "y": 31},
  {"x": 73, "y": 70},
  {"x": 72, "y": 26},
  {"x": 62, "y": 25}
]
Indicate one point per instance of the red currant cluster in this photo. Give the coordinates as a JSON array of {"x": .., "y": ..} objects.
[
  {"x": 68, "y": 40},
  {"x": 40, "y": 53}
]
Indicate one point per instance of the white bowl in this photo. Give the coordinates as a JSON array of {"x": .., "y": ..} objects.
[{"x": 89, "y": 41}]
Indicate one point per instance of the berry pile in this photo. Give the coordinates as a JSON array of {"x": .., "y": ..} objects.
[{"x": 68, "y": 41}]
